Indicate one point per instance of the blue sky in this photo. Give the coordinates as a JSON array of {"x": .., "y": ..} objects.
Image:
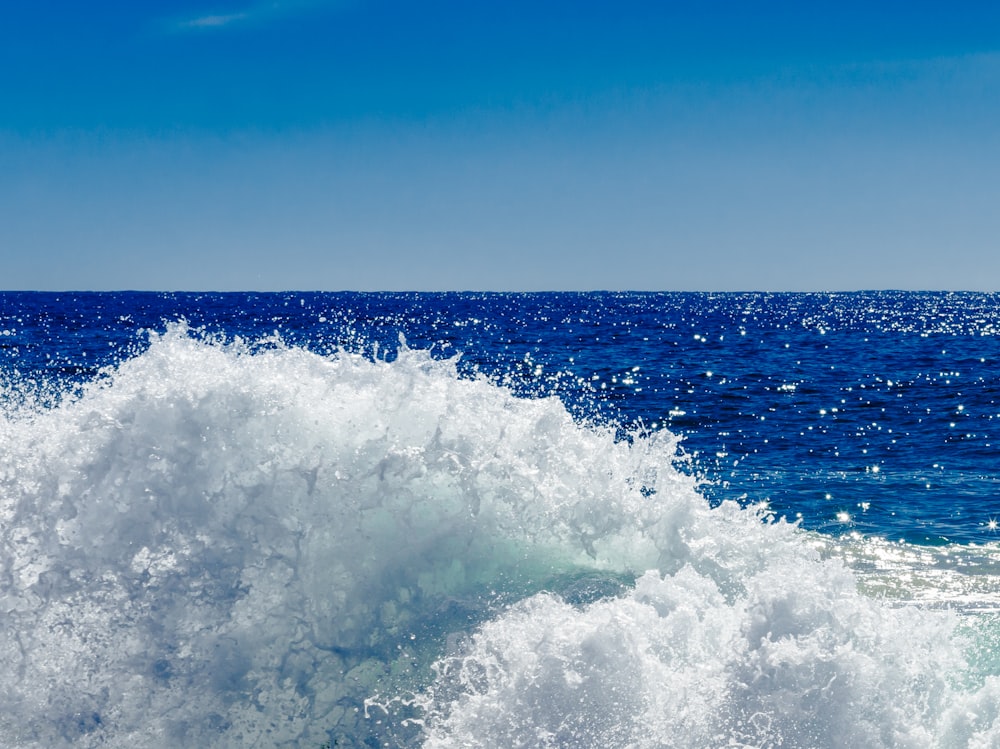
[{"x": 366, "y": 144}]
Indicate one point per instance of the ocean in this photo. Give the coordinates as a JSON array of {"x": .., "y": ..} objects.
[{"x": 321, "y": 520}]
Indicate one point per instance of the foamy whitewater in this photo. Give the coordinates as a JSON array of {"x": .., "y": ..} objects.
[{"x": 222, "y": 545}]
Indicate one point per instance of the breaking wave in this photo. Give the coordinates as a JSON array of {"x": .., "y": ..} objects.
[{"x": 217, "y": 544}]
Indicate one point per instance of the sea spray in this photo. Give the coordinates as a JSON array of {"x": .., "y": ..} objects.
[
  {"x": 229, "y": 545},
  {"x": 214, "y": 544},
  {"x": 752, "y": 642}
]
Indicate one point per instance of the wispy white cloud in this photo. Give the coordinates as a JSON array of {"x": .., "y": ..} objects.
[
  {"x": 258, "y": 12},
  {"x": 212, "y": 21}
]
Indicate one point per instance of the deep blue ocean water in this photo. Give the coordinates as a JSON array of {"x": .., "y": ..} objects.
[{"x": 469, "y": 519}]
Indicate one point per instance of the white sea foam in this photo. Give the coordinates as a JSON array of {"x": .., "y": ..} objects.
[{"x": 218, "y": 545}]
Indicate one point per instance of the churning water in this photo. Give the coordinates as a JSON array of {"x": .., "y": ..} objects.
[{"x": 224, "y": 537}]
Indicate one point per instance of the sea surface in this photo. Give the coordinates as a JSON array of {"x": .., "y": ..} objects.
[{"x": 499, "y": 520}]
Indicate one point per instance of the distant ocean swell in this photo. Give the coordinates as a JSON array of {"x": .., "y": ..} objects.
[{"x": 231, "y": 545}]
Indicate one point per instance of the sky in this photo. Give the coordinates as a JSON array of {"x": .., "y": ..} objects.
[{"x": 698, "y": 145}]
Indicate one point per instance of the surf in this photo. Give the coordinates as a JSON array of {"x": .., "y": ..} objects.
[{"x": 230, "y": 543}]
